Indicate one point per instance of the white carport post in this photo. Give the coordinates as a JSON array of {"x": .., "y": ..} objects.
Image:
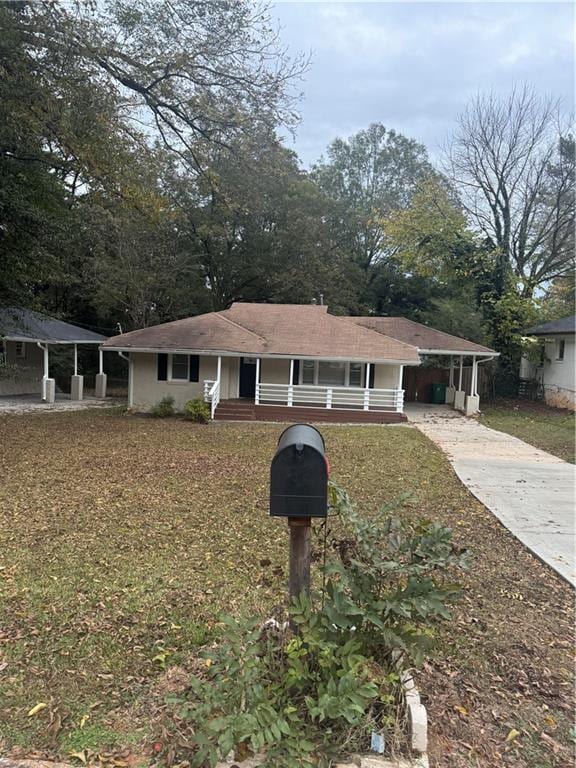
[
  {"x": 450, "y": 389},
  {"x": 76, "y": 382},
  {"x": 472, "y": 400},
  {"x": 460, "y": 395},
  {"x": 101, "y": 378},
  {"x": 48, "y": 384}
]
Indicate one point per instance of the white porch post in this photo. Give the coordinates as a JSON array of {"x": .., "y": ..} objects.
[
  {"x": 290, "y": 398},
  {"x": 219, "y": 369},
  {"x": 399, "y": 399},
  {"x": 367, "y": 387},
  {"x": 76, "y": 382},
  {"x": 257, "y": 392},
  {"x": 451, "y": 379},
  {"x": 461, "y": 372},
  {"x": 101, "y": 378}
]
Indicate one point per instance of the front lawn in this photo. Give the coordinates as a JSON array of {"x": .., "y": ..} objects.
[
  {"x": 123, "y": 538},
  {"x": 550, "y": 429}
]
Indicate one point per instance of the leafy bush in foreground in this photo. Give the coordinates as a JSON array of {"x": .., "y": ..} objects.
[
  {"x": 164, "y": 408},
  {"x": 304, "y": 698},
  {"x": 197, "y": 410}
]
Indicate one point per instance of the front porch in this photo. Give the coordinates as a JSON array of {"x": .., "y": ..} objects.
[{"x": 298, "y": 399}]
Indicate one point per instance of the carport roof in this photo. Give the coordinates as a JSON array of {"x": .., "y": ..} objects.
[
  {"x": 19, "y": 324},
  {"x": 427, "y": 340}
]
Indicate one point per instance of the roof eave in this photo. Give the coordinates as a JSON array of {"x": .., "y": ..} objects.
[
  {"x": 264, "y": 355},
  {"x": 475, "y": 352},
  {"x": 34, "y": 340}
]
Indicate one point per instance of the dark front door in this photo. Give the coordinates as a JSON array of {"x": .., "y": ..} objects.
[{"x": 247, "y": 386}]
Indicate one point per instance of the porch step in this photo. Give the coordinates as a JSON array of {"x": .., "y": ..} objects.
[{"x": 242, "y": 410}]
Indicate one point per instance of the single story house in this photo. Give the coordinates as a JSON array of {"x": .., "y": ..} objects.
[
  {"x": 258, "y": 360},
  {"x": 25, "y": 340},
  {"x": 556, "y": 371}
]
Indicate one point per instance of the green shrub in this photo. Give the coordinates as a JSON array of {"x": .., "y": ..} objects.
[
  {"x": 197, "y": 410},
  {"x": 164, "y": 408},
  {"x": 305, "y": 698}
]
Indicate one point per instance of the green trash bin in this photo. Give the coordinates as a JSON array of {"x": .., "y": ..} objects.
[{"x": 439, "y": 393}]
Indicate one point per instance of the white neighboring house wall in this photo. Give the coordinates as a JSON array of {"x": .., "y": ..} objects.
[
  {"x": 559, "y": 371},
  {"x": 26, "y": 377},
  {"x": 147, "y": 390}
]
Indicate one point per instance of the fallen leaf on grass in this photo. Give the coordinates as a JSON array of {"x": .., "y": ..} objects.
[
  {"x": 38, "y": 708},
  {"x": 512, "y": 734}
]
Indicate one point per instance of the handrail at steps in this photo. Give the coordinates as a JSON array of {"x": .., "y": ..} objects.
[{"x": 212, "y": 395}]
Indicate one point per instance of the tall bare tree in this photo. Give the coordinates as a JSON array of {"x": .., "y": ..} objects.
[{"x": 513, "y": 165}]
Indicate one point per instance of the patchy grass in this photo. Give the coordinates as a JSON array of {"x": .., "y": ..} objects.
[
  {"x": 550, "y": 429},
  {"x": 123, "y": 538}
]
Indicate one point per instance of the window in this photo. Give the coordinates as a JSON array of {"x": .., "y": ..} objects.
[
  {"x": 331, "y": 374},
  {"x": 356, "y": 374},
  {"x": 560, "y": 344},
  {"x": 308, "y": 368},
  {"x": 20, "y": 349},
  {"x": 179, "y": 368}
]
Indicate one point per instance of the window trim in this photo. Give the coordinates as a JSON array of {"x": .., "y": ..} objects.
[
  {"x": 346, "y": 374},
  {"x": 20, "y": 350},
  {"x": 179, "y": 380},
  {"x": 560, "y": 350}
]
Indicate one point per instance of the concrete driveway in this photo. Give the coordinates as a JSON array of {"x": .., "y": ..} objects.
[
  {"x": 530, "y": 491},
  {"x": 11, "y": 404}
]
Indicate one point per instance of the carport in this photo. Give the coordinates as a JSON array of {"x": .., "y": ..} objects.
[
  {"x": 462, "y": 357},
  {"x": 26, "y": 337}
]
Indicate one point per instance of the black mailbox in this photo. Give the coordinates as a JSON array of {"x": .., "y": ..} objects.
[{"x": 299, "y": 474}]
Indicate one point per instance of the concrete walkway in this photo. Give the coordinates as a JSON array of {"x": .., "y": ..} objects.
[{"x": 530, "y": 491}]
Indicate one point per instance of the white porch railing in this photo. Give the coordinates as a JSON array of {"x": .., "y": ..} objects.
[
  {"x": 212, "y": 395},
  {"x": 355, "y": 398}
]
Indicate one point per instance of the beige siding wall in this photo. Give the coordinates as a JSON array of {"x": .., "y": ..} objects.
[
  {"x": 147, "y": 390},
  {"x": 386, "y": 376},
  {"x": 275, "y": 371},
  {"x": 26, "y": 379}
]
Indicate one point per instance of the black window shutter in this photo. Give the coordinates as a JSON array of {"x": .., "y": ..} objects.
[
  {"x": 369, "y": 382},
  {"x": 296, "y": 373},
  {"x": 194, "y": 367},
  {"x": 162, "y": 360}
]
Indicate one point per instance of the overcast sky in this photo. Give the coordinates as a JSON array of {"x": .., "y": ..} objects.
[{"x": 413, "y": 66}]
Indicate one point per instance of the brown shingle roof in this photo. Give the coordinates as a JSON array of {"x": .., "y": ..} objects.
[
  {"x": 420, "y": 336},
  {"x": 298, "y": 330}
]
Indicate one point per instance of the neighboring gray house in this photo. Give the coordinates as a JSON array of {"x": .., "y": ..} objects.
[
  {"x": 25, "y": 340},
  {"x": 557, "y": 370}
]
